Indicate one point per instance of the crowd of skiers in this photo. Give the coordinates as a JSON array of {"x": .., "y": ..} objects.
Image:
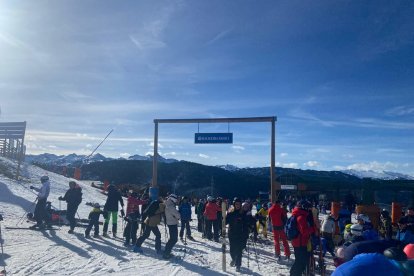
[{"x": 303, "y": 228}]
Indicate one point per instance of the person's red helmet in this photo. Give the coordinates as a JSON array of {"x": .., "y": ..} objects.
[{"x": 409, "y": 251}]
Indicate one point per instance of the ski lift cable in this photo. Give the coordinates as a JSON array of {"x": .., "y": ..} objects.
[{"x": 87, "y": 157}]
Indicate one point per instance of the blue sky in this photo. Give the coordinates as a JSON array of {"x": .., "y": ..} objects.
[{"x": 339, "y": 75}]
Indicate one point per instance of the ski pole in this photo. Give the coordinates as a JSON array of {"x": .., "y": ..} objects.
[
  {"x": 31, "y": 205},
  {"x": 60, "y": 209},
  {"x": 248, "y": 255},
  {"x": 255, "y": 252},
  {"x": 2, "y": 251}
]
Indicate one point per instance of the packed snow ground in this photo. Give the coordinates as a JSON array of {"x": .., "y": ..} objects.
[{"x": 55, "y": 252}]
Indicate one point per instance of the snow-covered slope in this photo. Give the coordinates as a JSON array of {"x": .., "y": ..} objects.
[{"x": 55, "y": 252}]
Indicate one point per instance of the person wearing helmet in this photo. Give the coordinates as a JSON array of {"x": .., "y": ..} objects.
[
  {"x": 200, "y": 216},
  {"x": 210, "y": 214},
  {"x": 251, "y": 220},
  {"x": 278, "y": 217},
  {"x": 371, "y": 246},
  {"x": 171, "y": 219},
  {"x": 347, "y": 232},
  {"x": 94, "y": 221},
  {"x": 238, "y": 232},
  {"x": 328, "y": 232},
  {"x": 73, "y": 198},
  {"x": 406, "y": 227},
  {"x": 368, "y": 232},
  {"x": 385, "y": 225},
  {"x": 261, "y": 216},
  {"x": 300, "y": 243},
  {"x": 40, "y": 209},
  {"x": 185, "y": 212},
  {"x": 111, "y": 206}
]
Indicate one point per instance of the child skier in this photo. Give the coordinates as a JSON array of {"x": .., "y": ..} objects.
[{"x": 94, "y": 221}]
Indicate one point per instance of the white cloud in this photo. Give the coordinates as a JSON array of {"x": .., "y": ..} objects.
[
  {"x": 290, "y": 165},
  {"x": 203, "y": 156},
  {"x": 284, "y": 154},
  {"x": 238, "y": 149},
  {"x": 219, "y": 36},
  {"x": 125, "y": 155},
  {"x": 400, "y": 111},
  {"x": 173, "y": 153},
  {"x": 312, "y": 164}
]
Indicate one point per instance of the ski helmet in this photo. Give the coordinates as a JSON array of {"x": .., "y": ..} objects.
[
  {"x": 395, "y": 253},
  {"x": 304, "y": 204},
  {"x": 356, "y": 230},
  {"x": 340, "y": 252},
  {"x": 96, "y": 205},
  {"x": 44, "y": 178},
  {"x": 364, "y": 218},
  {"x": 246, "y": 206},
  {"x": 385, "y": 213},
  {"x": 173, "y": 198},
  {"x": 210, "y": 198},
  {"x": 236, "y": 199},
  {"x": 409, "y": 250},
  {"x": 348, "y": 227}
]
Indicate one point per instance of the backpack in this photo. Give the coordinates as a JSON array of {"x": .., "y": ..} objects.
[
  {"x": 151, "y": 209},
  {"x": 291, "y": 228}
]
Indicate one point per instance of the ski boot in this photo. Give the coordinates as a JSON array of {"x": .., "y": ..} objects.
[
  {"x": 238, "y": 268},
  {"x": 137, "y": 249},
  {"x": 167, "y": 256},
  {"x": 33, "y": 226},
  {"x": 190, "y": 238}
]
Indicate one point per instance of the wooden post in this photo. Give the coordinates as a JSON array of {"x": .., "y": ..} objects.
[{"x": 272, "y": 164}]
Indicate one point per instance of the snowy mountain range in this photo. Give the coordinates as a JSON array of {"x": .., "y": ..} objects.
[
  {"x": 66, "y": 160},
  {"x": 383, "y": 175}
]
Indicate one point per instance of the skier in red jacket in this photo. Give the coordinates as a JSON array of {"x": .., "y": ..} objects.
[
  {"x": 210, "y": 213},
  {"x": 300, "y": 243},
  {"x": 278, "y": 218}
]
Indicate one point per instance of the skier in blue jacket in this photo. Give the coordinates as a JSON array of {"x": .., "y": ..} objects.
[{"x": 185, "y": 213}]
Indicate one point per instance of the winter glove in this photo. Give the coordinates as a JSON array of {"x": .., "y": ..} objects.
[
  {"x": 60, "y": 198},
  {"x": 31, "y": 187},
  {"x": 122, "y": 213}
]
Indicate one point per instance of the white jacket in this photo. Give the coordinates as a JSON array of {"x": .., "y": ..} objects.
[
  {"x": 328, "y": 225},
  {"x": 44, "y": 190},
  {"x": 171, "y": 213}
]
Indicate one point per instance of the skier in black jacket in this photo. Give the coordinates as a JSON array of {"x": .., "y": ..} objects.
[
  {"x": 73, "y": 197},
  {"x": 111, "y": 207},
  {"x": 238, "y": 233}
]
